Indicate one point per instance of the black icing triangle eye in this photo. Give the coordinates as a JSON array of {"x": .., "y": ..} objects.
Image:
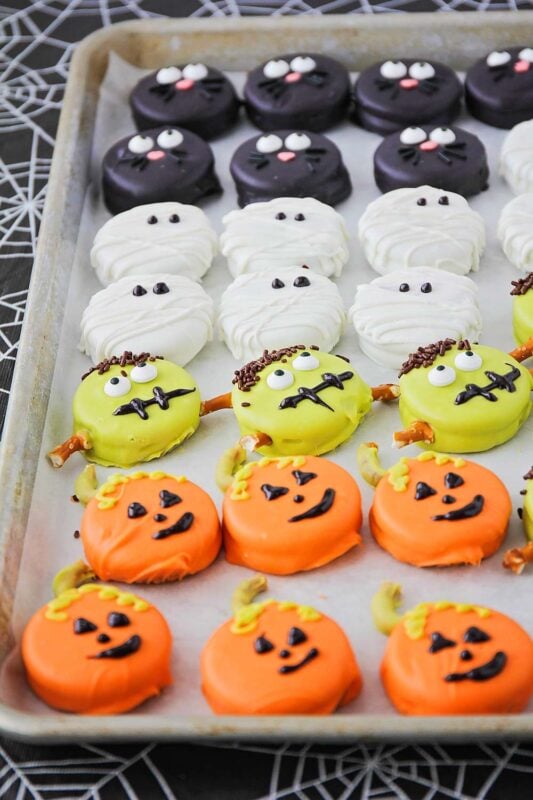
[
  {"x": 160, "y": 288},
  {"x": 423, "y": 490},
  {"x": 296, "y": 636},
  {"x": 426, "y": 288},
  {"x": 151, "y": 220},
  {"x": 452, "y": 480},
  {"x": 136, "y": 510},
  {"x": 277, "y": 284},
  {"x": 168, "y": 499},
  {"x": 404, "y": 287},
  {"x": 421, "y": 201},
  {"x": 474, "y": 635},
  {"x": 440, "y": 642},
  {"x": 138, "y": 290},
  {"x": 281, "y": 215},
  {"x": 301, "y": 477},
  {"x": 117, "y": 620},
  {"x": 174, "y": 218},
  {"x": 299, "y": 217},
  {"x": 444, "y": 201},
  {"x": 273, "y": 492},
  {"x": 301, "y": 281},
  {"x": 263, "y": 645},
  {"x": 82, "y": 625}
]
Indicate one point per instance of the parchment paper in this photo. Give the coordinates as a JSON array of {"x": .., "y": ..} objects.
[{"x": 342, "y": 589}]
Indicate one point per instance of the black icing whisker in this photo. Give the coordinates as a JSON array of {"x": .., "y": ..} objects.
[
  {"x": 410, "y": 154},
  {"x": 450, "y": 152},
  {"x": 444, "y": 157}
]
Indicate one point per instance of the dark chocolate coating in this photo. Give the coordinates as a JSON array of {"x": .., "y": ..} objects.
[
  {"x": 461, "y": 167},
  {"x": 500, "y": 95},
  {"x": 384, "y": 105},
  {"x": 208, "y": 107},
  {"x": 184, "y": 173},
  {"x": 317, "y": 171},
  {"x": 313, "y": 100}
]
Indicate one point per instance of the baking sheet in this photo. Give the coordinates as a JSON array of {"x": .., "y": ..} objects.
[{"x": 342, "y": 589}]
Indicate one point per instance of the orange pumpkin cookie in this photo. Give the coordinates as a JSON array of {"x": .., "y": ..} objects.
[
  {"x": 278, "y": 658},
  {"x": 97, "y": 650},
  {"x": 149, "y": 527},
  {"x": 283, "y": 515},
  {"x": 453, "y": 658},
  {"x": 437, "y": 510}
]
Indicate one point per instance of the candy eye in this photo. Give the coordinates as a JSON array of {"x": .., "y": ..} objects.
[
  {"x": 161, "y": 288},
  {"x": 442, "y": 135},
  {"x": 276, "y": 69},
  {"x": 140, "y": 144},
  {"x": 301, "y": 281},
  {"x": 280, "y": 379},
  {"x": 170, "y": 138},
  {"x": 195, "y": 72},
  {"x": 441, "y": 375},
  {"x": 277, "y": 284},
  {"x": 404, "y": 287},
  {"x": 526, "y": 55},
  {"x": 498, "y": 58},
  {"x": 144, "y": 372},
  {"x": 444, "y": 201},
  {"x": 421, "y": 71},
  {"x": 174, "y": 218},
  {"x": 117, "y": 386},
  {"x": 426, "y": 288},
  {"x": 168, "y": 75},
  {"x": 467, "y": 361},
  {"x": 303, "y": 64},
  {"x": 268, "y": 144},
  {"x": 138, "y": 290},
  {"x": 413, "y": 135},
  {"x": 305, "y": 361},
  {"x": 297, "y": 141},
  {"x": 421, "y": 201},
  {"x": 393, "y": 70}
]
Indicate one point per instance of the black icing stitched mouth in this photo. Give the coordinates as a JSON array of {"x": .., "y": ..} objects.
[
  {"x": 288, "y": 668},
  {"x": 329, "y": 380},
  {"x": 505, "y": 382},
  {"x": 484, "y": 673},
  {"x": 160, "y": 398},
  {"x": 468, "y": 511},
  {"x": 128, "y": 648}
]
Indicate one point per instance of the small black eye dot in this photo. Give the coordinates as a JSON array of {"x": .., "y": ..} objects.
[
  {"x": 469, "y": 353},
  {"x": 103, "y": 638},
  {"x": 426, "y": 288},
  {"x": 141, "y": 364},
  {"x": 281, "y": 215},
  {"x": 299, "y": 217},
  {"x": 466, "y": 655},
  {"x": 284, "y": 653},
  {"x": 298, "y": 498},
  {"x": 152, "y": 220},
  {"x": 444, "y": 201},
  {"x": 421, "y": 201},
  {"x": 174, "y": 218},
  {"x": 440, "y": 367},
  {"x": 404, "y": 287},
  {"x": 114, "y": 381},
  {"x": 139, "y": 290},
  {"x": 277, "y": 284},
  {"x": 447, "y": 499},
  {"x": 160, "y": 517},
  {"x": 305, "y": 354},
  {"x": 161, "y": 288},
  {"x": 301, "y": 281},
  {"x": 279, "y": 372}
]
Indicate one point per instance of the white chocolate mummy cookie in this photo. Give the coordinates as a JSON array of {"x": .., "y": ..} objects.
[
  {"x": 148, "y": 240},
  {"x": 515, "y": 231},
  {"x": 169, "y": 315},
  {"x": 516, "y": 158},
  {"x": 284, "y": 232},
  {"x": 396, "y": 313},
  {"x": 422, "y": 227},
  {"x": 270, "y": 310}
]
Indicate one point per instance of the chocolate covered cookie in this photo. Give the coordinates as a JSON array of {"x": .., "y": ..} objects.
[
  {"x": 195, "y": 96},
  {"x": 447, "y": 158},
  {"x": 289, "y": 163},
  {"x": 499, "y": 87},
  {"x": 300, "y": 90},
  {"x": 158, "y": 165},
  {"x": 390, "y": 95}
]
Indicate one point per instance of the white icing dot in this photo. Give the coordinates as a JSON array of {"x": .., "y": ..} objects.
[
  {"x": 305, "y": 362},
  {"x": 276, "y": 69},
  {"x": 413, "y": 135},
  {"x": 195, "y": 72},
  {"x": 467, "y": 361},
  {"x": 442, "y": 135},
  {"x": 168, "y": 75},
  {"x": 297, "y": 141},
  {"x": 303, "y": 64},
  {"x": 140, "y": 144},
  {"x": 393, "y": 70},
  {"x": 526, "y": 54},
  {"x": 497, "y": 58},
  {"x": 421, "y": 70},
  {"x": 170, "y": 138},
  {"x": 441, "y": 375},
  {"x": 144, "y": 373},
  {"x": 280, "y": 379},
  {"x": 117, "y": 386},
  {"x": 268, "y": 144}
]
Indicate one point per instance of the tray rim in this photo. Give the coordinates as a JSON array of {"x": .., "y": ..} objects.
[{"x": 30, "y": 391}]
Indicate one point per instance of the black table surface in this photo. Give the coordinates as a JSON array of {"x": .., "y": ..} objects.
[{"x": 36, "y": 43}]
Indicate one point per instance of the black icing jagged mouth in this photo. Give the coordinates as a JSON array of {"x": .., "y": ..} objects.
[
  {"x": 160, "y": 398},
  {"x": 180, "y": 526},
  {"x": 505, "y": 382},
  {"x": 471, "y": 509},
  {"x": 286, "y": 669},
  {"x": 483, "y": 673},
  {"x": 128, "y": 648},
  {"x": 329, "y": 379}
]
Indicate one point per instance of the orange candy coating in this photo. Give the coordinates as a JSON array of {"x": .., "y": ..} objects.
[
  {"x": 60, "y": 664},
  {"x": 404, "y": 527},
  {"x": 415, "y": 679},
  {"x": 258, "y": 532},
  {"x": 238, "y": 680},
  {"x": 120, "y": 547}
]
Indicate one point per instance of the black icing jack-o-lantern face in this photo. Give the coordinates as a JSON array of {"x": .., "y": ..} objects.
[
  {"x": 301, "y": 478},
  {"x": 472, "y": 636},
  {"x": 167, "y": 500},
  {"x": 452, "y": 481},
  {"x": 115, "y": 619},
  {"x": 295, "y": 637}
]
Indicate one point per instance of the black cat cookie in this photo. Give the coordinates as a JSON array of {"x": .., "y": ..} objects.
[
  {"x": 447, "y": 158},
  {"x": 288, "y": 163},
  {"x": 393, "y": 94},
  {"x": 158, "y": 165},
  {"x": 194, "y": 96},
  {"x": 499, "y": 87},
  {"x": 299, "y": 90}
]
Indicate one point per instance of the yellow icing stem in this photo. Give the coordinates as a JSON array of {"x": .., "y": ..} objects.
[
  {"x": 383, "y": 606},
  {"x": 228, "y": 464},
  {"x": 369, "y": 463},
  {"x": 247, "y": 591},
  {"x": 86, "y": 484}
]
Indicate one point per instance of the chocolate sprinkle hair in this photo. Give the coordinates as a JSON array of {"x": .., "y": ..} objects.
[
  {"x": 248, "y": 376},
  {"x": 425, "y": 356},
  {"x": 529, "y": 475},
  {"x": 522, "y": 285},
  {"x": 127, "y": 359}
]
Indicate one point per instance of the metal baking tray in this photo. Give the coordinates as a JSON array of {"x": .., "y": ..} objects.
[{"x": 457, "y": 39}]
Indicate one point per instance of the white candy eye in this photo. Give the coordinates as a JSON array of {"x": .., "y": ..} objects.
[
  {"x": 442, "y": 135},
  {"x": 413, "y": 135},
  {"x": 303, "y": 64},
  {"x": 467, "y": 361},
  {"x": 268, "y": 144},
  {"x": 144, "y": 372},
  {"x": 280, "y": 379},
  {"x": 297, "y": 141},
  {"x": 168, "y": 75},
  {"x": 140, "y": 144},
  {"x": 421, "y": 70},
  {"x": 195, "y": 72},
  {"x": 170, "y": 138},
  {"x": 498, "y": 58},
  {"x": 393, "y": 70},
  {"x": 276, "y": 69},
  {"x": 117, "y": 386},
  {"x": 441, "y": 375},
  {"x": 305, "y": 361},
  {"x": 526, "y": 54}
]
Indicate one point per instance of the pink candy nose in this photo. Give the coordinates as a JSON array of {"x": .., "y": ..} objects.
[
  {"x": 286, "y": 155},
  {"x": 155, "y": 155},
  {"x": 408, "y": 83},
  {"x": 429, "y": 145},
  {"x": 521, "y": 66},
  {"x": 184, "y": 84},
  {"x": 292, "y": 77}
]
